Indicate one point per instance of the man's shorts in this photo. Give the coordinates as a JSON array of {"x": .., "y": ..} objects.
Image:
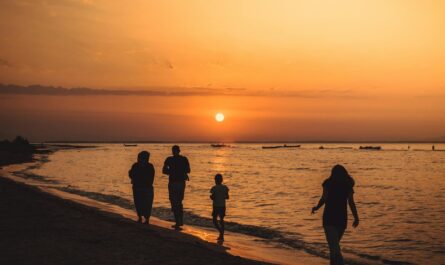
[{"x": 219, "y": 211}]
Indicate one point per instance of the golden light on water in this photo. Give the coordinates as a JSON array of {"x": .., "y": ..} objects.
[{"x": 219, "y": 117}]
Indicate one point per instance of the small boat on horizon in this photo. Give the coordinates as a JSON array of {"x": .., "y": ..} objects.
[
  {"x": 370, "y": 147},
  {"x": 219, "y": 145},
  {"x": 281, "y": 146},
  {"x": 340, "y": 148},
  {"x": 130, "y": 145}
]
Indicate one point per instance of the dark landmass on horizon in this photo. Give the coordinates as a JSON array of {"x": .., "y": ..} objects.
[
  {"x": 18, "y": 150},
  {"x": 248, "y": 142}
]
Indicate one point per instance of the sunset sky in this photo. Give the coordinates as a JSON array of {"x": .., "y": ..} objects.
[{"x": 279, "y": 70}]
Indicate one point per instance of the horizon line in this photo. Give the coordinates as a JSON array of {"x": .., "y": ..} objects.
[{"x": 245, "y": 142}]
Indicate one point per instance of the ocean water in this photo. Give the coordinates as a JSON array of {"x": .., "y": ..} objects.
[{"x": 400, "y": 194}]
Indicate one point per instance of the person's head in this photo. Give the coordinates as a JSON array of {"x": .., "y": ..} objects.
[
  {"x": 143, "y": 157},
  {"x": 176, "y": 150},
  {"x": 218, "y": 178},
  {"x": 340, "y": 174}
]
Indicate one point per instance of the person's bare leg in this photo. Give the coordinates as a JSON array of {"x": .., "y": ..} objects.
[
  {"x": 333, "y": 238},
  {"x": 221, "y": 231},
  {"x": 215, "y": 223},
  {"x": 147, "y": 219}
]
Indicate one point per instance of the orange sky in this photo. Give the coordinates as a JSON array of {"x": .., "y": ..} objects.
[{"x": 304, "y": 70}]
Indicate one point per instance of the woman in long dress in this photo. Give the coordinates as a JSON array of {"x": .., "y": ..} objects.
[{"x": 142, "y": 176}]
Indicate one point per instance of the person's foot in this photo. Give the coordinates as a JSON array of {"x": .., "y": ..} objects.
[
  {"x": 177, "y": 227},
  {"x": 139, "y": 220}
]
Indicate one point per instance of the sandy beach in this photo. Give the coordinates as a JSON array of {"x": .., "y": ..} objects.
[{"x": 39, "y": 228}]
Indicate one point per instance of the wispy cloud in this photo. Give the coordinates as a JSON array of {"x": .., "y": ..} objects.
[{"x": 171, "y": 91}]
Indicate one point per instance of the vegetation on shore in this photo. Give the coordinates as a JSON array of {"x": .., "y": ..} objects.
[{"x": 17, "y": 151}]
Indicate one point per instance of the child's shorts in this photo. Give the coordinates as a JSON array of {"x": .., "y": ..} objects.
[{"x": 219, "y": 211}]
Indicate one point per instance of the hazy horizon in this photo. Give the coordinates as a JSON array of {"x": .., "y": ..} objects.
[{"x": 310, "y": 70}]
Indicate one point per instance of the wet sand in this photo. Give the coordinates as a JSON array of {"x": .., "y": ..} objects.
[{"x": 40, "y": 228}]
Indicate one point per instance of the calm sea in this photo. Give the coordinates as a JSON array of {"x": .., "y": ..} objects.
[{"x": 400, "y": 194}]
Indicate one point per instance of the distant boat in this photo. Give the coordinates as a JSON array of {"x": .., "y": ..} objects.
[
  {"x": 370, "y": 147},
  {"x": 129, "y": 145},
  {"x": 271, "y": 147},
  {"x": 341, "y": 147},
  {"x": 219, "y": 145},
  {"x": 281, "y": 146}
]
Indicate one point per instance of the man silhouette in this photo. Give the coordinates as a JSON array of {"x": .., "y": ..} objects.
[{"x": 177, "y": 168}]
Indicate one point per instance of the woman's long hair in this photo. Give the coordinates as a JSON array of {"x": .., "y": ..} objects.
[{"x": 340, "y": 175}]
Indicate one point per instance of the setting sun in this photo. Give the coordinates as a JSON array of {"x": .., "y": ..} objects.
[{"x": 219, "y": 117}]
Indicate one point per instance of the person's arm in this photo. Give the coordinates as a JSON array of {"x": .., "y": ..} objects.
[
  {"x": 152, "y": 172},
  {"x": 227, "y": 195},
  {"x": 166, "y": 168},
  {"x": 187, "y": 168},
  {"x": 131, "y": 172},
  {"x": 353, "y": 209},
  {"x": 211, "y": 193},
  {"x": 321, "y": 202}
]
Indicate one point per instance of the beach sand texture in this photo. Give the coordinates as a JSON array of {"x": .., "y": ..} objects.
[
  {"x": 39, "y": 228},
  {"x": 42, "y": 225}
]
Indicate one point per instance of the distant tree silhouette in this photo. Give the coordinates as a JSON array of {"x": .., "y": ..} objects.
[{"x": 17, "y": 151}]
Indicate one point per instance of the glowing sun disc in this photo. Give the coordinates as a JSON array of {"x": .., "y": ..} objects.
[{"x": 219, "y": 117}]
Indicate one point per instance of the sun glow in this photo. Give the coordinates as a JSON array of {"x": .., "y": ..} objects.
[{"x": 219, "y": 117}]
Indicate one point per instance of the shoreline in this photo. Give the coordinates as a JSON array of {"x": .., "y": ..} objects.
[
  {"x": 42, "y": 228},
  {"x": 247, "y": 247}
]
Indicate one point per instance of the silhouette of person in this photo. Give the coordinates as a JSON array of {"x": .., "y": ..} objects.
[
  {"x": 142, "y": 176},
  {"x": 337, "y": 193},
  {"x": 219, "y": 194},
  {"x": 177, "y": 168},
  {"x": 433, "y": 148}
]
